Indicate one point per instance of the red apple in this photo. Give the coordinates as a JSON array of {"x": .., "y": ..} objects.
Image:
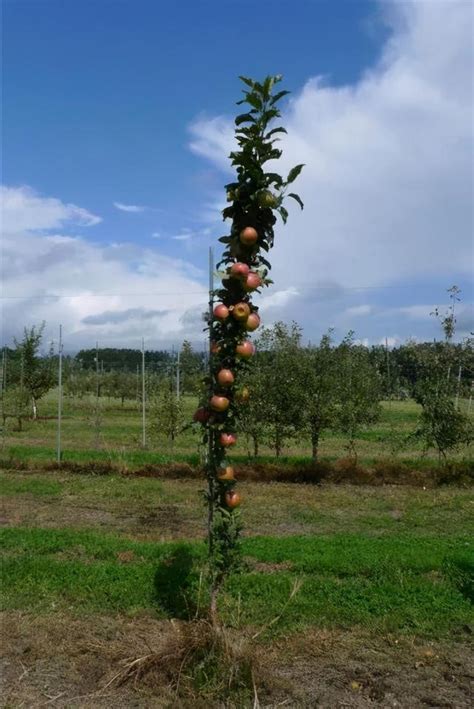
[
  {"x": 227, "y": 473},
  {"x": 248, "y": 236},
  {"x": 225, "y": 378},
  {"x": 239, "y": 270},
  {"x": 243, "y": 395},
  {"x": 232, "y": 499},
  {"x": 241, "y": 311},
  {"x": 252, "y": 322},
  {"x": 219, "y": 403},
  {"x": 201, "y": 415},
  {"x": 215, "y": 348},
  {"x": 221, "y": 312},
  {"x": 245, "y": 349},
  {"x": 252, "y": 281},
  {"x": 227, "y": 439}
]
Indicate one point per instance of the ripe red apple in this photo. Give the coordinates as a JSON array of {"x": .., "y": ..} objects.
[
  {"x": 243, "y": 395},
  {"x": 252, "y": 281},
  {"x": 232, "y": 499},
  {"x": 219, "y": 403},
  {"x": 201, "y": 415},
  {"x": 252, "y": 322},
  {"x": 241, "y": 311},
  {"x": 245, "y": 349},
  {"x": 239, "y": 270},
  {"x": 221, "y": 312},
  {"x": 248, "y": 236},
  {"x": 215, "y": 348},
  {"x": 225, "y": 378},
  {"x": 227, "y": 439},
  {"x": 227, "y": 473}
]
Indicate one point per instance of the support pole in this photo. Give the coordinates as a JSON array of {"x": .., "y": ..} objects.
[
  {"x": 458, "y": 387},
  {"x": 210, "y": 432},
  {"x": 178, "y": 382},
  {"x": 143, "y": 396},
  {"x": 60, "y": 391}
]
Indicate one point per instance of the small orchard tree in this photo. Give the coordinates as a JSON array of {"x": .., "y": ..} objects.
[
  {"x": 440, "y": 425},
  {"x": 320, "y": 390},
  {"x": 37, "y": 373},
  {"x": 255, "y": 199},
  {"x": 280, "y": 365},
  {"x": 358, "y": 388},
  {"x": 190, "y": 363},
  {"x": 16, "y": 405},
  {"x": 166, "y": 416}
]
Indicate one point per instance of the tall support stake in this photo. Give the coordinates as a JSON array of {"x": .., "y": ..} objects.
[
  {"x": 4, "y": 370},
  {"x": 178, "y": 375},
  {"x": 210, "y": 433},
  {"x": 60, "y": 391},
  {"x": 143, "y": 396},
  {"x": 458, "y": 387},
  {"x": 97, "y": 387},
  {"x": 387, "y": 357}
]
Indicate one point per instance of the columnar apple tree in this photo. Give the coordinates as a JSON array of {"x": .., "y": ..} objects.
[{"x": 254, "y": 199}]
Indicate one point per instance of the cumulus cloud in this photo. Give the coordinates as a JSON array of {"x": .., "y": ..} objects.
[
  {"x": 22, "y": 208},
  {"x": 388, "y": 179},
  {"x": 111, "y": 292}
]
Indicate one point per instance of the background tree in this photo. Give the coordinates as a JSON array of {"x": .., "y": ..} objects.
[
  {"x": 441, "y": 425},
  {"x": 191, "y": 366},
  {"x": 319, "y": 387},
  {"x": 37, "y": 373},
  {"x": 358, "y": 388},
  {"x": 280, "y": 366},
  {"x": 165, "y": 414}
]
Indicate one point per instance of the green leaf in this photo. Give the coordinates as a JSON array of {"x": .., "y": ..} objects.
[
  {"x": 278, "y": 96},
  {"x": 247, "y": 81},
  {"x": 293, "y": 174},
  {"x": 225, "y": 239},
  {"x": 275, "y": 130},
  {"x": 297, "y": 198},
  {"x": 254, "y": 101},
  {"x": 284, "y": 214},
  {"x": 244, "y": 118}
]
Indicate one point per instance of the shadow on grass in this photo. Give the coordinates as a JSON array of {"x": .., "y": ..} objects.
[{"x": 177, "y": 584}]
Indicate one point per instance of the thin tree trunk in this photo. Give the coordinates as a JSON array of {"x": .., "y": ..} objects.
[
  {"x": 255, "y": 446},
  {"x": 35, "y": 408},
  {"x": 315, "y": 443},
  {"x": 277, "y": 443}
]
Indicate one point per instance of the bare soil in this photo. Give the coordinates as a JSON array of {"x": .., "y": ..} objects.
[{"x": 61, "y": 661}]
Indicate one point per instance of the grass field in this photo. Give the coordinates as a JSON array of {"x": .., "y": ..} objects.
[
  {"x": 383, "y": 616},
  {"x": 118, "y": 437}
]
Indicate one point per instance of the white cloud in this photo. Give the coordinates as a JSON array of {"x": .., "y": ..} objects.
[
  {"x": 114, "y": 293},
  {"x": 23, "y": 208},
  {"x": 359, "y": 310},
  {"x": 388, "y": 179},
  {"x": 156, "y": 235},
  {"x": 129, "y": 207}
]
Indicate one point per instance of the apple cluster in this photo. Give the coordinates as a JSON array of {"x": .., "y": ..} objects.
[{"x": 233, "y": 318}]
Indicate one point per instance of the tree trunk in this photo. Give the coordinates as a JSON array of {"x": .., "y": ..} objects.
[
  {"x": 277, "y": 443},
  {"x": 255, "y": 446},
  {"x": 314, "y": 443},
  {"x": 35, "y": 408}
]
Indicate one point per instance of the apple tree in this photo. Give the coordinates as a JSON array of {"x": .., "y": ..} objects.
[{"x": 255, "y": 199}]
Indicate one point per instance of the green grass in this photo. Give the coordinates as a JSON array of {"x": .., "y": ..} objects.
[
  {"x": 120, "y": 437},
  {"x": 400, "y": 583}
]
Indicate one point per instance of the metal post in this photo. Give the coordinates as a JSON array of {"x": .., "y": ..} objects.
[
  {"x": 389, "y": 385},
  {"x": 60, "y": 391},
  {"x": 458, "y": 387},
  {"x": 210, "y": 445},
  {"x": 143, "y": 396},
  {"x": 178, "y": 387},
  {"x": 97, "y": 370}
]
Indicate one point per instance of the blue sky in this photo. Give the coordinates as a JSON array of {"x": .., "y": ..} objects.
[{"x": 123, "y": 109}]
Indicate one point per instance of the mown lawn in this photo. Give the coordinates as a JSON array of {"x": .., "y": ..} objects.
[
  {"x": 118, "y": 437},
  {"x": 388, "y": 559}
]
